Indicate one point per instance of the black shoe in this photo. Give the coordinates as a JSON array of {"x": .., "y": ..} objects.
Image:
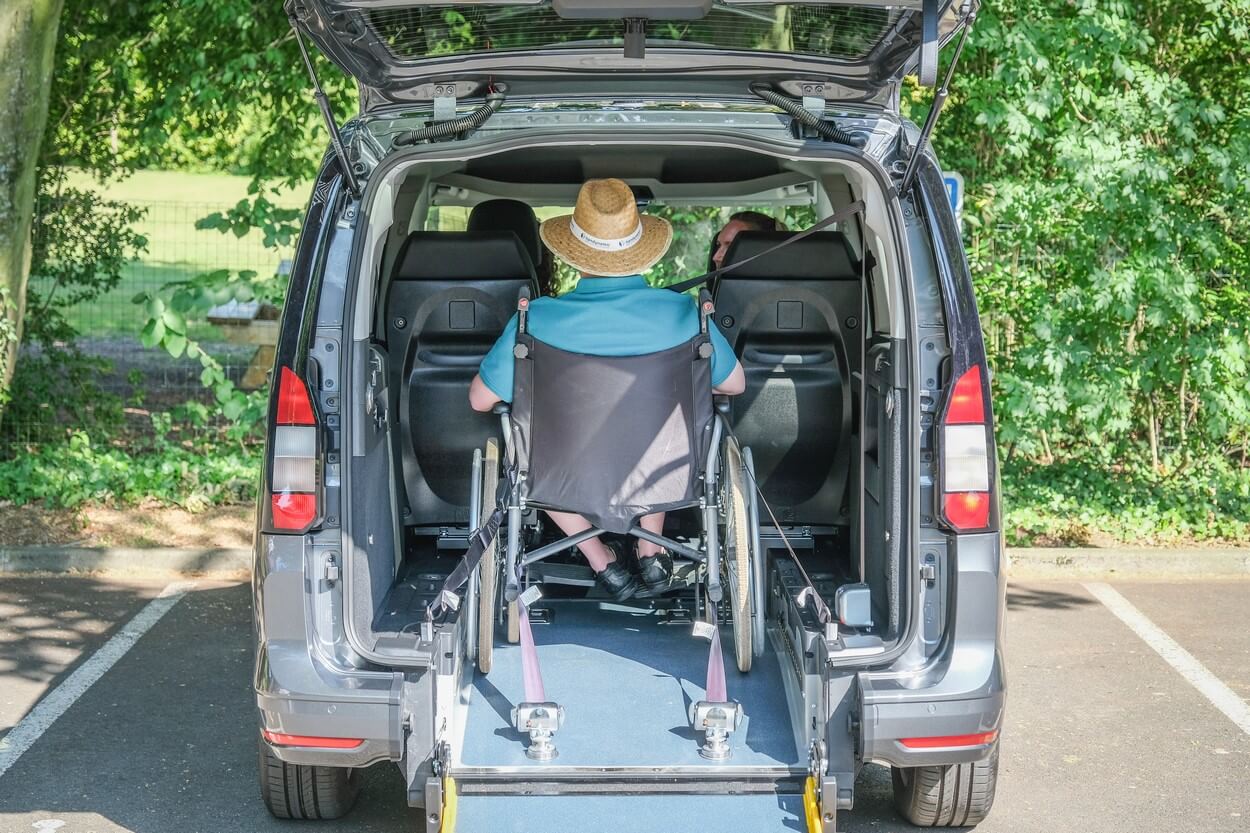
[
  {"x": 657, "y": 574},
  {"x": 618, "y": 582}
]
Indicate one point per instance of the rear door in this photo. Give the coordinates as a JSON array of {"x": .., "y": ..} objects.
[{"x": 399, "y": 49}]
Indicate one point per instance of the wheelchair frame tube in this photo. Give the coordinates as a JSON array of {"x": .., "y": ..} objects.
[
  {"x": 475, "y": 521},
  {"x": 711, "y": 511}
]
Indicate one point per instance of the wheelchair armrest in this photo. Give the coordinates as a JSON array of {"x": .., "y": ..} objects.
[
  {"x": 720, "y": 401},
  {"x": 501, "y": 408}
]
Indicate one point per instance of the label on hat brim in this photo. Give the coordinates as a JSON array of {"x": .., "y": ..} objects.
[{"x": 605, "y": 244}]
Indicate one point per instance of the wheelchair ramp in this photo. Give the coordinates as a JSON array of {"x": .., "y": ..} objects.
[
  {"x": 626, "y": 682},
  {"x": 633, "y": 813}
]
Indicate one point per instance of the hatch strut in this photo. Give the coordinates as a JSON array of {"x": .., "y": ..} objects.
[
  {"x": 349, "y": 176},
  {"x": 939, "y": 101}
]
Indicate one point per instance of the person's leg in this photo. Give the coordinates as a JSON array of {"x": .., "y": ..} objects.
[
  {"x": 651, "y": 523},
  {"x": 656, "y": 572},
  {"x": 596, "y": 552}
]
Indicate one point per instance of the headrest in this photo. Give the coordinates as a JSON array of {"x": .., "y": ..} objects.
[
  {"x": 509, "y": 215},
  {"x": 823, "y": 256},
  {"x": 463, "y": 255}
]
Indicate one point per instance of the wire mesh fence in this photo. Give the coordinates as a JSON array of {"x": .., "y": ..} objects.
[{"x": 132, "y": 380}]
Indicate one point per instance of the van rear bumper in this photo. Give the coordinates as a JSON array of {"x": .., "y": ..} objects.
[
  {"x": 963, "y": 690},
  {"x": 300, "y": 690},
  {"x": 890, "y": 724},
  {"x": 296, "y": 697}
]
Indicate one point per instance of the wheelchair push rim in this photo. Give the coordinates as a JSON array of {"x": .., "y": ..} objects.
[
  {"x": 488, "y": 567},
  {"x": 737, "y": 547}
]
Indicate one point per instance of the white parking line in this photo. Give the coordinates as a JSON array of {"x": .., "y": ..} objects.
[
  {"x": 22, "y": 736},
  {"x": 1220, "y": 695}
]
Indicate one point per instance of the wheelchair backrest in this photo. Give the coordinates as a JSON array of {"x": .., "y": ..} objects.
[{"x": 612, "y": 437}]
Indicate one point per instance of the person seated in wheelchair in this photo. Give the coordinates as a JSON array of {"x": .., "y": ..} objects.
[{"x": 611, "y": 312}]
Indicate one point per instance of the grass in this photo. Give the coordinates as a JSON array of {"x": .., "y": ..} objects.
[{"x": 176, "y": 249}]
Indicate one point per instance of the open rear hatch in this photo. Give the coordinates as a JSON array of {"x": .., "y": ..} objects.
[{"x": 402, "y": 50}]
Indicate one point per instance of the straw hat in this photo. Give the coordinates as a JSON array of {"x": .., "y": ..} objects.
[{"x": 605, "y": 235}]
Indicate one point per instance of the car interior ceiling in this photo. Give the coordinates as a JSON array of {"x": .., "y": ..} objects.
[{"x": 797, "y": 319}]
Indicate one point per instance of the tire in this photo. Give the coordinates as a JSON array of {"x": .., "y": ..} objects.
[
  {"x": 296, "y": 791},
  {"x": 736, "y": 549},
  {"x": 488, "y": 567},
  {"x": 955, "y": 795}
]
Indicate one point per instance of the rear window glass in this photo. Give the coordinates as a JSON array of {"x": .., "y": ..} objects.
[{"x": 819, "y": 29}]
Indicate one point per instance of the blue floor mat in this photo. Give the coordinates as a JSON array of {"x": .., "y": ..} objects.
[
  {"x": 626, "y": 682},
  {"x": 764, "y": 813}
]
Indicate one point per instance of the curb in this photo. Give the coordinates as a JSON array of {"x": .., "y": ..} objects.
[
  {"x": 1130, "y": 562},
  {"x": 1025, "y": 562},
  {"x": 168, "y": 561}
]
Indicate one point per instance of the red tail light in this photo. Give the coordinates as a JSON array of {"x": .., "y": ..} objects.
[
  {"x": 294, "y": 406},
  {"x": 966, "y": 455},
  {"x": 280, "y": 739},
  {"x": 948, "y": 741},
  {"x": 293, "y": 480}
]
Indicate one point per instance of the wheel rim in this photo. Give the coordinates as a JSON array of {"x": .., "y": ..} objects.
[
  {"x": 736, "y": 545},
  {"x": 488, "y": 567}
]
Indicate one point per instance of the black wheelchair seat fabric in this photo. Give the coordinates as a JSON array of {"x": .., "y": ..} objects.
[
  {"x": 612, "y": 438},
  {"x": 449, "y": 298},
  {"x": 793, "y": 319}
]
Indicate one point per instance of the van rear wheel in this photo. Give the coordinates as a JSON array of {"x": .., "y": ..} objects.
[
  {"x": 297, "y": 791},
  {"x": 488, "y": 567},
  {"x": 954, "y": 795}
]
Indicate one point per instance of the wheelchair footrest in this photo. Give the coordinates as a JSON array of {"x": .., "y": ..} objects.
[{"x": 576, "y": 575}]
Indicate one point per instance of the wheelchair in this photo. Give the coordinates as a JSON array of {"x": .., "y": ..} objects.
[{"x": 614, "y": 439}]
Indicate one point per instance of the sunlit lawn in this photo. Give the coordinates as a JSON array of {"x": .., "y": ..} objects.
[{"x": 176, "y": 250}]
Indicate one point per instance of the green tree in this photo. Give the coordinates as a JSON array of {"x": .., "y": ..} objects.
[
  {"x": 28, "y": 30},
  {"x": 1105, "y": 143}
]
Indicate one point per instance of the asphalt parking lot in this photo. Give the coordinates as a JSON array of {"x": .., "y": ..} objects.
[{"x": 1103, "y": 733}]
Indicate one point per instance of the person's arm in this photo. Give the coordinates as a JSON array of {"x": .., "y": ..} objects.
[
  {"x": 728, "y": 377},
  {"x": 481, "y": 397},
  {"x": 734, "y": 384},
  {"x": 493, "y": 382}
]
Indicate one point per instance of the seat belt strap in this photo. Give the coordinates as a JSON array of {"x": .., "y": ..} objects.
[{"x": 836, "y": 217}]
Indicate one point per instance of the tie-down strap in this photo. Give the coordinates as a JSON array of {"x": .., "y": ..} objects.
[{"x": 479, "y": 542}]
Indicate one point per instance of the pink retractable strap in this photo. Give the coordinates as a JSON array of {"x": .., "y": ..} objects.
[
  {"x": 716, "y": 687},
  {"x": 533, "y": 676}
]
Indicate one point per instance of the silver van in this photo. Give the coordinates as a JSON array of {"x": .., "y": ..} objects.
[{"x": 840, "y": 585}]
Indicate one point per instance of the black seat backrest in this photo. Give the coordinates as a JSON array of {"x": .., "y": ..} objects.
[
  {"x": 612, "y": 437},
  {"x": 509, "y": 215},
  {"x": 794, "y": 320},
  {"x": 449, "y": 298}
]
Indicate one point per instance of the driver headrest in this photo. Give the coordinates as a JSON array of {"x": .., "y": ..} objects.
[
  {"x": 823, "y": 256},
  {"x": 463, "y": 255},
  {"x": 509, "y": 215}
]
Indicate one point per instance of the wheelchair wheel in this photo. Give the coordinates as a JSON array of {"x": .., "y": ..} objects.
[
  {"x": 736, "y": 546},
  {"x": 488, "y": 567},
  {"x": 514, "y": 623}
]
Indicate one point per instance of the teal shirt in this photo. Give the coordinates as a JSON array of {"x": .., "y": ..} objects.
[{"x": 607, "y": 317}]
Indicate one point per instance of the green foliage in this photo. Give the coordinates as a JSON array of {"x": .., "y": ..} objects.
[
  {"x": 215, "y": 83},
  {"x": 170, "y": 309},
  {"x": 1071, "y": 504},
  {"x": 84, "y": 469},
  {"x": 1108, "y": 215},
  {"x": 80, "y": 245}
]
